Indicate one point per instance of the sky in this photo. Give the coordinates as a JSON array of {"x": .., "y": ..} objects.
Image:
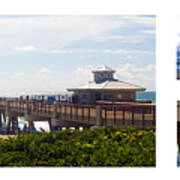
[{"x": 53, "y": 53}]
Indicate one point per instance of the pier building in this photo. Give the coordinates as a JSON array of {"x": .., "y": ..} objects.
[
  {"x": 84, "y": 110},
  {"x": 105, "y": 87}
]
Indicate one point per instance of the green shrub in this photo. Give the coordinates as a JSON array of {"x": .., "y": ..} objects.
[{"x": 118, "y": 146}]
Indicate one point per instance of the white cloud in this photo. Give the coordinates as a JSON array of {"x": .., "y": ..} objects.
[
  {"x": 149, "y": 31},
  {"x": 19, "y": 74},
  {"x": 25, "y": 49},
  {"x": 32, "y": 34},
  {"x": 52, "y": 31},
  {"x": 74, "y": 51},
  {"x": 44, "y": 70},
  {"x": 143, "y": 20},
  {"x": 124, "y": 51},
  {"x": 105, "y": 51},
  {"x": 144, "y": 77},
  {"x": 122, "y": 39}
]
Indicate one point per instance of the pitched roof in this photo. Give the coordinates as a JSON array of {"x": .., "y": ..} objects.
[{"x": 108, "y": 85}]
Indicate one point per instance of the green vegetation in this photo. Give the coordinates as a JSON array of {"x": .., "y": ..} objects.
[{"x": 120, "y": 146}]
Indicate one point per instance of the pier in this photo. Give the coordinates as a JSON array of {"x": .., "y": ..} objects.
[{"x": 77, "y": 115}]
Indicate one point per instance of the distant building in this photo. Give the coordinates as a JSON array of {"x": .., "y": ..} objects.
[{"x": 105, "y": 87}]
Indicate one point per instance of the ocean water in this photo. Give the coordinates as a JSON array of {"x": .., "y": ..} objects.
[{"x": 148, "y": 95}]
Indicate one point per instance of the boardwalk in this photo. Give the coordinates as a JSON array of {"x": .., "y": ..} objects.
[{"x": 76, "y": 115}]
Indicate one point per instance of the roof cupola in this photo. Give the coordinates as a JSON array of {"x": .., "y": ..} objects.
[{"x": 103, "y": 73}]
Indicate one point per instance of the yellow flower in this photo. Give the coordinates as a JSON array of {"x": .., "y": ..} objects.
[
  {"x": 89, "y": 145},
  {"x": 105, "y": 137},
  {"x": 117, "y": 133},
  {"x": 124, "y": 134},
  {"x": 78, "y": 143},
  {"x": 140, "y": 133}
]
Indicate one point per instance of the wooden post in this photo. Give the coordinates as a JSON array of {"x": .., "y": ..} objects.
[
  {"x": 70, "y": 111},
  {"x": 14, "y": 123},
  {"x": 37, "y": 107},
  {"x": 76, "y": 113},
  {"x": 48, "y": 109},
  {"x": 60, "y": 109},
  {"x": 44, "y": 106},
  {"x": 7, "y": 112},
  {"x": 54, "y": 111},
  {"x": 65, "y": 111},
  {"x": 53, "y": 121},
  {"x": 89, "y": 113},
  {"x": 98, "y": 116},
  {"x": 31, "y": 124},
  {"x": 26, "y": 108},
  {"x": 105, "y": 116},
  {"x": 123, "y": 115},
  {"x": 114, "y": 109},
  {"x": 132, "y": 109},
  {"x": 143, "y": 119},
  {"x": 28, "y": 117},
  {"x": 82, "y": 112},
  {"x": 4, "y": 117},
  {"x": 50, "y": 124},
  {"x": 7, "y": 106},
  {"x": 8, "y": 125}
]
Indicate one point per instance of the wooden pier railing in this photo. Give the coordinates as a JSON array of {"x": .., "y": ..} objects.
[{"x": 139, "y": 115}]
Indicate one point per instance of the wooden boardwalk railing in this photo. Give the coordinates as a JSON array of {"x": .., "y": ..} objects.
[
  {"x": 123, "y": 115},
  {"x": 139, "y": 115}
]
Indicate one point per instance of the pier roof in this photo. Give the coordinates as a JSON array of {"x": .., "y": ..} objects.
[
  {"x": 109, "y": 85},
  {"x": 106, "y": 82}
]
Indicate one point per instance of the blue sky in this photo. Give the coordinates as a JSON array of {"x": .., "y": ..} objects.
[{"x": 52, "y": 53}]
